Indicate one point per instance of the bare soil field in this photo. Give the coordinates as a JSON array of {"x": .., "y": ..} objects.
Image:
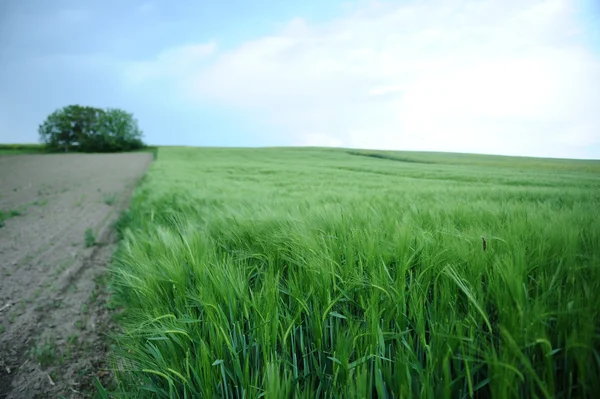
[{"x": 56, "y": 237}]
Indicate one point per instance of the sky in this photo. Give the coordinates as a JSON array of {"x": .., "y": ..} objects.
[{"x": 511, "y": 77}]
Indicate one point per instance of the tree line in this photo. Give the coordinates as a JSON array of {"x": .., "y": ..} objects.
[{"x": 90, "y": 129}]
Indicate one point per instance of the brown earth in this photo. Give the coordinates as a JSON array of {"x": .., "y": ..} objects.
[{"x": 53, "y": 295}]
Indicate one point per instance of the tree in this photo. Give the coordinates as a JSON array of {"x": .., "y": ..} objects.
[
  {"x": 66, "y": 129},
  {"x": 89, "y": 129},
  {"x": 119, "y": 131}
]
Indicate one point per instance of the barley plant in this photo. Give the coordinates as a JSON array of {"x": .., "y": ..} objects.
[{"x": 305, "y": 273}]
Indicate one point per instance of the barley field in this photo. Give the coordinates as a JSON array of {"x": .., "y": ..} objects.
[{"x": 331, "y": 273}]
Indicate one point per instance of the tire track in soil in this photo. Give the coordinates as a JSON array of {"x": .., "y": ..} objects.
[{"x": 52, "y": 332}]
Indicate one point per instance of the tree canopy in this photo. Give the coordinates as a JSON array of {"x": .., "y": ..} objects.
[{"x": 90, "y": 129}]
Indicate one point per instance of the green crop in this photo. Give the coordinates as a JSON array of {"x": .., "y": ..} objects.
[{"x": 327, "y": 273}]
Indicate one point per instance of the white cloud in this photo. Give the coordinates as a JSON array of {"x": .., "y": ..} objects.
[{"x": 493, "y": 76}]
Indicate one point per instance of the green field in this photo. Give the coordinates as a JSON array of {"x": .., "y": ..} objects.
[
  {"x": 15, "y": 149},
  {"x": 281, "y": 273}
]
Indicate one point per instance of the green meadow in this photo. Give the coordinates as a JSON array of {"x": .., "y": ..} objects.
[
  {"x": 304, "y": 273},
  {"x": 16, "y": 149}
]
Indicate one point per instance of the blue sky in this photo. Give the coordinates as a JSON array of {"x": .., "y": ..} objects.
[{"x": 515, "y": 77}]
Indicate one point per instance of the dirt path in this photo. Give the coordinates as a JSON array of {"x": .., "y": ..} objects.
[{"x": 56, "y": 237}]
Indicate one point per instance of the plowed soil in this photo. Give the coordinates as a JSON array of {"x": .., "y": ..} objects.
[{"x": 56, "y": 240}]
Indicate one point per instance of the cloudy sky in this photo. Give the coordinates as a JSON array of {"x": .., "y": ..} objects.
[{"x": 515, "y": 77}]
